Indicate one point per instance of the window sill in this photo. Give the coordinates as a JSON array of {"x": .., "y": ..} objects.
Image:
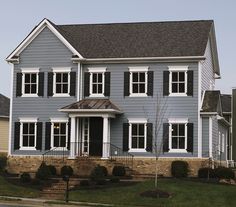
[
  {"x": 178, "y": 95},
  {"x": 59, "y": 148},
  {"x": 138, "y": 95},
  {"x": 96, "y": 95},
  {"x": 29, "y": 95},
  {"x": 27, "y": 148},
  {"x": 178, "y": 151},
  {"x": 61, "y": 95},
  {"x": 137, "y": 150}
]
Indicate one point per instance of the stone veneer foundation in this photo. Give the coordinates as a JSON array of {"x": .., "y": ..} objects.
[{"x": 83, "y": 166}]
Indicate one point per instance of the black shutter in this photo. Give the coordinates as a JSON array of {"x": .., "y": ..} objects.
[
  {"x": 190, "y": 83},
  {"x": 149, "y": 137},
  {"x": 125, "y": 137},
  {"x": 41, "y": 84},
  {"x": 107, "y": 83},
  {"x": 48, "y": 136},
  {"x": 165, "y": 137},
  {"x": 126, "y": 83},
  {"x": 86, "y": 83},
  {"x": 50, "y": 84},
  {"x": 72, "y": 83},
  {"x": 39, "y": 136},
  {"x": 17, "y": 136},
  {"x": 19, "y": 84},
  {"x": 68, "y": 142},
  {"x": 150, "y": 83},
  {"x": 166, "y": 83},
  {"x": 190, "y": 137}
]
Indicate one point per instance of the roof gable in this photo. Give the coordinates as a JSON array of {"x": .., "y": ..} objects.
[{"x": 211, "y": 102}]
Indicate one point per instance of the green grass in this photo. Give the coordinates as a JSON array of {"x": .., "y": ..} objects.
[
  {"x": 8, "y": 189},
  {"x": 185, "y": 193}
]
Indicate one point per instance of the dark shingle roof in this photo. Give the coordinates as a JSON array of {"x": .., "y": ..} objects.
[
  {"x": 126, "y": 40},
  {"x": 226, "y": 103},
  {"x": 4, "y": 105},
  {"x": 211, "y": 101}
]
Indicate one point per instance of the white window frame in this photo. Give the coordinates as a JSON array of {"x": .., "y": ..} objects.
[
  {"x": 219, "y": 144},
  {"x": 178, "y": 121},
  {"x": 178, "y": 69},
  {"x": 95, "y": 71},
  {"x": 59, "y": 120},
  {"x": 137, "y": 121},
  {"x": 26, "y": 121},
  {"x": 138, "y": 69},
  {"x": 25, "y": 71},
  {"x": 223, "y": 143},
  {"x": 57, "y": 70}
]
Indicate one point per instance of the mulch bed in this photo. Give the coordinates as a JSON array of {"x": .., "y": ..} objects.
[{"x": 156, "y": 194}]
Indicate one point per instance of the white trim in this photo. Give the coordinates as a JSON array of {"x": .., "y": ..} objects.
[
  {"x": 92, "y": 72},
  {"x": 61, "y": 69},
  {"x": 97, "y": 70},
  {"x": 137, "y": 120},
  {"x": 137, "y": 150},
  {"x": 29, "y": 95},
  {"x": 178, "y": 95},
  {"x": 78, "y": 83},
  {"x": 30, "y": 70},
  {"x": 181, "y": 68},
  {"x": 96, "y": 95},
  {"x": 91, "y": 110},
  {"x": 59, "y": 119},
  {"x": 199, "y": 110},
  {"x": 28, "y": 119},
  {"x": 44, "y": 23},
  {"x": 178, "y": 120},
  {"x": 210, "y": 137},
  {"x": 138, "y": 95},
  {"x": 139, "y": 69},
  {"x": 223, "y": 143},
  {"x": 177, "y": 151}
]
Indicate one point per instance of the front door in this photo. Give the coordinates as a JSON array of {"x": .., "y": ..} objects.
[{"x": 95, "y": 136}]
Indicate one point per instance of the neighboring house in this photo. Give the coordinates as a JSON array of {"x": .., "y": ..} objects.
[
  {"x": 234, "y": 122},
  {"x": 4, "y": 123},
  {"x": 115, "y": 90}
]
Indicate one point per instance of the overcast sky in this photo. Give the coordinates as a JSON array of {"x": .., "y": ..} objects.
[{"x": 18, "y": 17}]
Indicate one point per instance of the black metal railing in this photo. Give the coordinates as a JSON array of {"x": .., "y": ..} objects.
[{"x": 55, "y": 152}]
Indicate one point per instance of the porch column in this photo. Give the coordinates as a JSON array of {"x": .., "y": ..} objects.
[
  {"x": 72, "y": 139},
  {"x": 106, "y": 138}
]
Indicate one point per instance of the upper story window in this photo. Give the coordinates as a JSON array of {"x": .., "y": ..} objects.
[{"x": 97, "y": 83}]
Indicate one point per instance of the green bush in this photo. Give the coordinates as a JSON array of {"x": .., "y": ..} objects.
[
  {"x": 179, "y": 169},
  {"x": 25, "y": 177},
  {"x": 35, "y": 181},
  {"x": 114, "y": 180},
  {"x": 67, "y": 170},
  {"x": 98, "y": 173},
  {"x": 84, "y": 183},
  {"x": 104, "y": 169},
  {"x": 3, "y": 162},
  {"x": 52, "y": 169},
  {"x": 43, "y": 172},
  {"x": 224, "y": 173},
  {"x": 118, "y": 171},
  {"x": 203, "y": 172},
  {"x": 101, "y": 181}
]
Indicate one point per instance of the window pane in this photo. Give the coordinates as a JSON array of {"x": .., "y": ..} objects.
[
  {"x": 135, "y": 77},
  {"x": 25, "y": 128},
  {"x": 33, "y": 88},
  {"x": 174, "y": 76},
  {"x": 27, "y": 88},
  {"x": 58, "y": 77},
  {"x": 134, "y": 129},
  {"x": 174, "y": 142},
  {"x": 134, "y": 142},
  {"x": 181, "y": 76},
  {"x": 27, "y": 78},
  {"x": 174, "y": 87},
  {"x": 181, "y": 142},
  {"x": 25, "y": 141},
  {"x": 100, "y": 77},
  {"x": 135, "y": 88},
  {"x": 65, "y": 77},
  {"x": 174, "y": 129},
  {"x": 141, "y": 142},
  {"x": 31, "y": 141},
  {"x": 142, "y": 77},
  {"x": 63, "y": 128},
  {"x": 33, "y": 78},
  {"x": 63, "y": 141},
  {"x": 94, "y": 88},
  {"x": 94, "y": 77},
  {"x": 65, "y": 88},
  {"x": 141, "y": 88},
  {"x": 141, "y": 129},
  {"x": 56, "y": 141},
  {"x": 31, "y": 125},
  {"x": 181, "y": 87},
  {"x": 56, "y": 128},
  {"x": 58, "y": 88},
  {"x": 181, "y": 129},
  {"x": 99, "y": 88}
]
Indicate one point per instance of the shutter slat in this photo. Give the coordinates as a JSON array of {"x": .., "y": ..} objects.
[
  {"x": 48, "y": 136},
  {"x": 190, "y": 138},
  {"x": 86, "y": 83},
  {"x": 41, "y": 84},
  {"x": 68, "y": 142},
  {"x": 165, "y": 137},
  {"x": 149, "y": 137},
  {"x": 72, "y": 83},
  {"x": 18, "y": 84},
  {"x": 125, "y": 137},
  {"x": 107, "y": 83},
  {"x": 39, "y": 136},
  {"x": 17, "y": 136},
  {"x": 126, "y": 83},
  {"x": 50, "y": 84},
  {"x": 190, "y": 83},
  {"x": 166, "y": 83},
  {"x": 150, "y": 83}
]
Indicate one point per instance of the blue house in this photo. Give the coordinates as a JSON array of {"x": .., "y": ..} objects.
[{"x": 123, "y": 90}]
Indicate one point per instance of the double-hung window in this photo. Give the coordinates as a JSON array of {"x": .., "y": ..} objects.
[
  {"x": 178, "y": 135},
  {"x": 137, "y": 135},
  {"x": 30, "y": 82},
  {"x": 178, "y": 80},
  {"x": 61, "y": 81},
  {"x": 138, "y": 81},
  {"x": 28, "y": 133}
]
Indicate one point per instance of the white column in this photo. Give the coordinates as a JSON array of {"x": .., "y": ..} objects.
[
  {"x": 106, "y": 138},
  {"x": 72, "y": 139}
]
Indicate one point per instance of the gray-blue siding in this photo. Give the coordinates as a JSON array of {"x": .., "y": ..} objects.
[{"x": 205, "y": 136}]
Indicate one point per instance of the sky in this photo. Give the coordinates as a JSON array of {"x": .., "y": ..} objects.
[{"x": 18, "y": 18}]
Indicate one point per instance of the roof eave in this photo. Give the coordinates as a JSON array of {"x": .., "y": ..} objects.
[{"x": 91, "y": 111}]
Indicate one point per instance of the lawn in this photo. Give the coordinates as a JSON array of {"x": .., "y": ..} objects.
[
  {"x": 8, "y": 189},
  {"x": 185, "y": 193}
]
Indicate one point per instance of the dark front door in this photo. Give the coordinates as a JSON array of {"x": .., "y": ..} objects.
[{"x": 96, "y": 135}]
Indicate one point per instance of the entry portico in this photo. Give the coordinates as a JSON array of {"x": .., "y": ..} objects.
[{"x": 90, "y": 127}]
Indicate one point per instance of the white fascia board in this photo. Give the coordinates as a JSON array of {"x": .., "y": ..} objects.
[
  {"x": 61, "y": 69},
  {"x": 59, "y": 119},
  {"x": 138, "y": 69},
  {"x": 178, "y": 68},
  {"x": 29, "y": 70},
  {"x": 178, "y": 120},
  {"x": 97, "y": 69},
  {"x": 34, "y": 33},
  {"x": 137, "y": 120},
  {"x": 28, "y": 119}
]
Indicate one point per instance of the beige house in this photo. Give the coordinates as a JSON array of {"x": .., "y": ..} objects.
[{"x": 4, "y": 123}]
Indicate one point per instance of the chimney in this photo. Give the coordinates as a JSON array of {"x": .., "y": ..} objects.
[{"x": 234, "y": 122}]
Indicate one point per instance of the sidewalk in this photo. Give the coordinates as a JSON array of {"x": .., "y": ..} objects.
[{"x": 31, "y": 202}]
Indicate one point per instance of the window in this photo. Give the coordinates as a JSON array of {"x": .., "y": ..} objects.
[
  {"x": 28, "y": 134},
  {"x": 97, "y": 81},
  {"x": 138, "y": 81},
  {"x": 61, "y": 81},
  {"x": 137, "y": 135},
  {"x": 178, "y": 136},
  {"x": 178, "y": 80}
]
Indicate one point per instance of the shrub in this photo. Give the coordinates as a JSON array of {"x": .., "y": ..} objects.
[
  {"x": 67, "y": 170},
  {"x": 98, "y": 173},
  {"x": 101, "y": 181},
  {"x": 224, "y": 173},
  {"x": 36, "y": 181},
  {"x": 104, "y": 169},
  {"x": 84, "y": 183},
  {"x": 203, "y": 172},
  {"x": 3, "y": 162},
  {"x": 179, "y": 169},
  {"x": 115, "y": 180},
  {"x": 43, "y": 172},
  {"x": 52, "y": 169},
  {"x": 118, "y": 171},
  {"x": 25, "y": 177}
]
